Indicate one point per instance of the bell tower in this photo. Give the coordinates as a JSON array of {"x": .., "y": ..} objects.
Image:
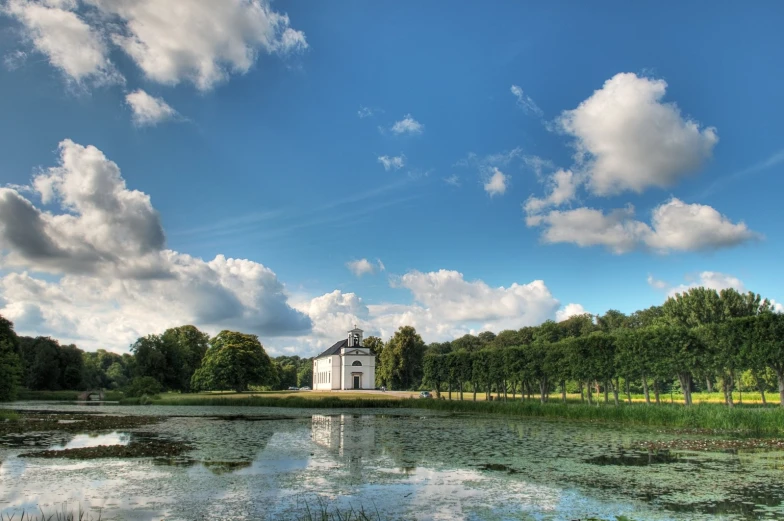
[{"x": 355, "y": 337}]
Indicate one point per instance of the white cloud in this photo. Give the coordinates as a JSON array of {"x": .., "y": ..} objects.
[
  {"x": 392, "y": 162},
  {"x": 525, "y": 102},
  {"x": 628, "y": 139},
  {"x": 171, "y": 42},
  {"x": 656, "y": 283},
  {"x": 408, "y": 125},
  {"x": 563, "y": 189},
  {"x": 148, "y": 110},
  {"x": 453, "y": 180},
  {"x": 364, "y": 267},
  {"x": 445, "y": 306},
  {"x": 68, "y": 42},
  {"x": 113, "y": 278},
  {"x": 496, "y": 183},
  {"x": 199, "y": 42},
  {"x": 364, "y": 112},
  {"x": 675, "y": 226},
  {"x": 568, "y": 311}
]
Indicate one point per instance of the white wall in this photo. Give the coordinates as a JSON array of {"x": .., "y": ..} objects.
[
  {"x": 325, "y": 377},
  {"x": 367, "y": 370}
]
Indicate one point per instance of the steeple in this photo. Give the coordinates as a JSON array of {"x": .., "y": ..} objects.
[{"x": 355, "y": 337}]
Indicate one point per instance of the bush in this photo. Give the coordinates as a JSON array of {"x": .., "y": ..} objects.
[{"x": 143, "y": 385}]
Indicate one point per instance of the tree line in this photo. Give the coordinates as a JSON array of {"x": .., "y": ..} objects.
[
  {"x": 696, "y": 340},
  {"x": 181, "y": 359}
]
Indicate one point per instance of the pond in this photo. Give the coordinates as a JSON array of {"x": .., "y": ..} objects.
[{"x": 268, "y": 463}]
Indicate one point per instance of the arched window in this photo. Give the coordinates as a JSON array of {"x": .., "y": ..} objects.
[{"x": 356, "y": 363}]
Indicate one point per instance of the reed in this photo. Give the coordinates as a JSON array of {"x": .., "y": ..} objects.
[
  {"x": 7, "y": 415},
  {"x": 747, "y": 420}
]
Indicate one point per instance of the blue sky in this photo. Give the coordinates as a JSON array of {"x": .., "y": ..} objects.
[{"x": 264, "y": 138}]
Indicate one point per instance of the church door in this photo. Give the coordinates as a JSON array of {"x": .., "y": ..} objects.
[{"x": 356, "y": 381}]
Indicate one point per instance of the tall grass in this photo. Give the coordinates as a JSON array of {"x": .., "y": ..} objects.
[
  {"x": 63, "y": 396},
  {"x": 748, "y": 420},
  {"x": 57, "y": 516}
]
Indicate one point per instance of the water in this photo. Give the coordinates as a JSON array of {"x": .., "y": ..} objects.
[{"x": 405, "y": 465}]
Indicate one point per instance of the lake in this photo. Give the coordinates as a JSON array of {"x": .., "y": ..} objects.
[{"x": 268, "y": 463}]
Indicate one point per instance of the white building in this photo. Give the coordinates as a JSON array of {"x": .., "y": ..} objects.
[{"x": 345, "y": 365}]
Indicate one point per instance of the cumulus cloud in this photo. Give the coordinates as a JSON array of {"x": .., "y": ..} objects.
[
  {"x": 408, "y": 125},
  {"x": 67, "y": 41},
  {"x": 364, "y": 267},
  {"x": 563, "y": 186},
  {"x": 675, "y": 226},
  {"x": 444, "y": 306},
  {"x": 496, "y": 183},
  {"x": 110, "y": 273},
  {"x": 705, "y": 279},
  {"x": 148, "y": 110},
  {"x": 568, "y": 311},
  {"x": 525, "y": 102},
  {"x": 392, "y": 162},
  {"x": 627, "y": 138},
  {"x": 171, "y": 42}
]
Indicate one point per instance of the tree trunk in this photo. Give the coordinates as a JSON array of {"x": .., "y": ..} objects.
[
  {"x": 438, "y": 390},
  {"x": 461, "y": 391},
  {"x": 543, "y": 389},
  {"x": 473, "y": 384},
  {"x": 685, "y": 380},
  {"x": 628, "y": 391},
  {"x": 606, "y": 392},
  {"x": 645, "y": 389},
  {"x": 450, "y": 391},
  {"x": 780, "y": 375},
  {"x": 563, "y": 391},
  {"x": 740, "y": 389},
  {"x": 761, "y": 387},
  {"x": 590, "y": 396},
  {"x": 615, "y": 389},
  {"x": 582, "y": 394},
  {"x": 709, "y": 384},
  {"x": 656, "y": 392},
  {"x": 504, "y": 390},
  {"x": 727, "y": 386}
]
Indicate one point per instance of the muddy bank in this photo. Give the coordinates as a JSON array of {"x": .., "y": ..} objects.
[{"x": 73, "y": 423}]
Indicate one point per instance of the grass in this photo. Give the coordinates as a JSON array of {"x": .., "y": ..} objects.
[
  {"x": 746, "y": 420},
  {"x": 5, "y": 414},
  {"x": 57, "y": 516},
  {"x": 63, "y": 396}
]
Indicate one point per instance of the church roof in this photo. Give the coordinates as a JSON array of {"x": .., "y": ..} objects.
[{"x": 334, "y": 350}]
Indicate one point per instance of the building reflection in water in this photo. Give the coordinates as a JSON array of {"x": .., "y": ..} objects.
[{"x": 351, "y": 436}]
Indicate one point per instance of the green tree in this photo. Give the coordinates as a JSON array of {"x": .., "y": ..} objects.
[
  {"x": 10, "y": 362},
  {"x": 184, "y": 349},
  {"x": 401, "y": 359},
  {"x": 435, "y": 372},
  {"x": 41, "y": 357},
  {"x": 768, "y": 342},
  {"x": 305, "y": 373},
  {"x": 376, "y": 346},
  {"x": 234, "y": 361}
]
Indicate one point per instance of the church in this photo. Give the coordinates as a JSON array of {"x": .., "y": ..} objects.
[{"x": 345, "y": 365}]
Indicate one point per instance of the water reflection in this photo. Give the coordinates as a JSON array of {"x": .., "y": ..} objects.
[
  {"x": 81, "y": 441},
  {"x": 405, "y": 466}
]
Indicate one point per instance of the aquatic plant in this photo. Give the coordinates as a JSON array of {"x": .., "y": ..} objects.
[
  {"x": 6, "y": 415},
  {"x": 57, "y": 516}
]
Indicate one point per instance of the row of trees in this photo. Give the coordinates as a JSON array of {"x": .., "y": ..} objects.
[
  {"x": 693, "y": 341},
  {"x": 695, "y": 337},
  {"x": 182, "y": 359}
]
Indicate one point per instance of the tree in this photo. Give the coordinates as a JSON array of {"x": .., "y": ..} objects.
[
  {"x": 401, "y": 359},
  {"x": 612, "y": 320},
  {"x": 233, "y": 361},
  {"x": 305, "y": 373},
  {"x": 10, "y": 362},
  {"x": 376, "y": 346},
  {"x": 184, "y": 349},
  {"x": 434, "y": 372},
  {"x": 41, "y": 357},
  {"x": 768, "y": 341}
]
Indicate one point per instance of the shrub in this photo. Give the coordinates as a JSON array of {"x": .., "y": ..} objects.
[{"x": 143, "y": 385}]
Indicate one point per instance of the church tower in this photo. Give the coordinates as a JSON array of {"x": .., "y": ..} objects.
[{"x": 355, "y": 337}]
